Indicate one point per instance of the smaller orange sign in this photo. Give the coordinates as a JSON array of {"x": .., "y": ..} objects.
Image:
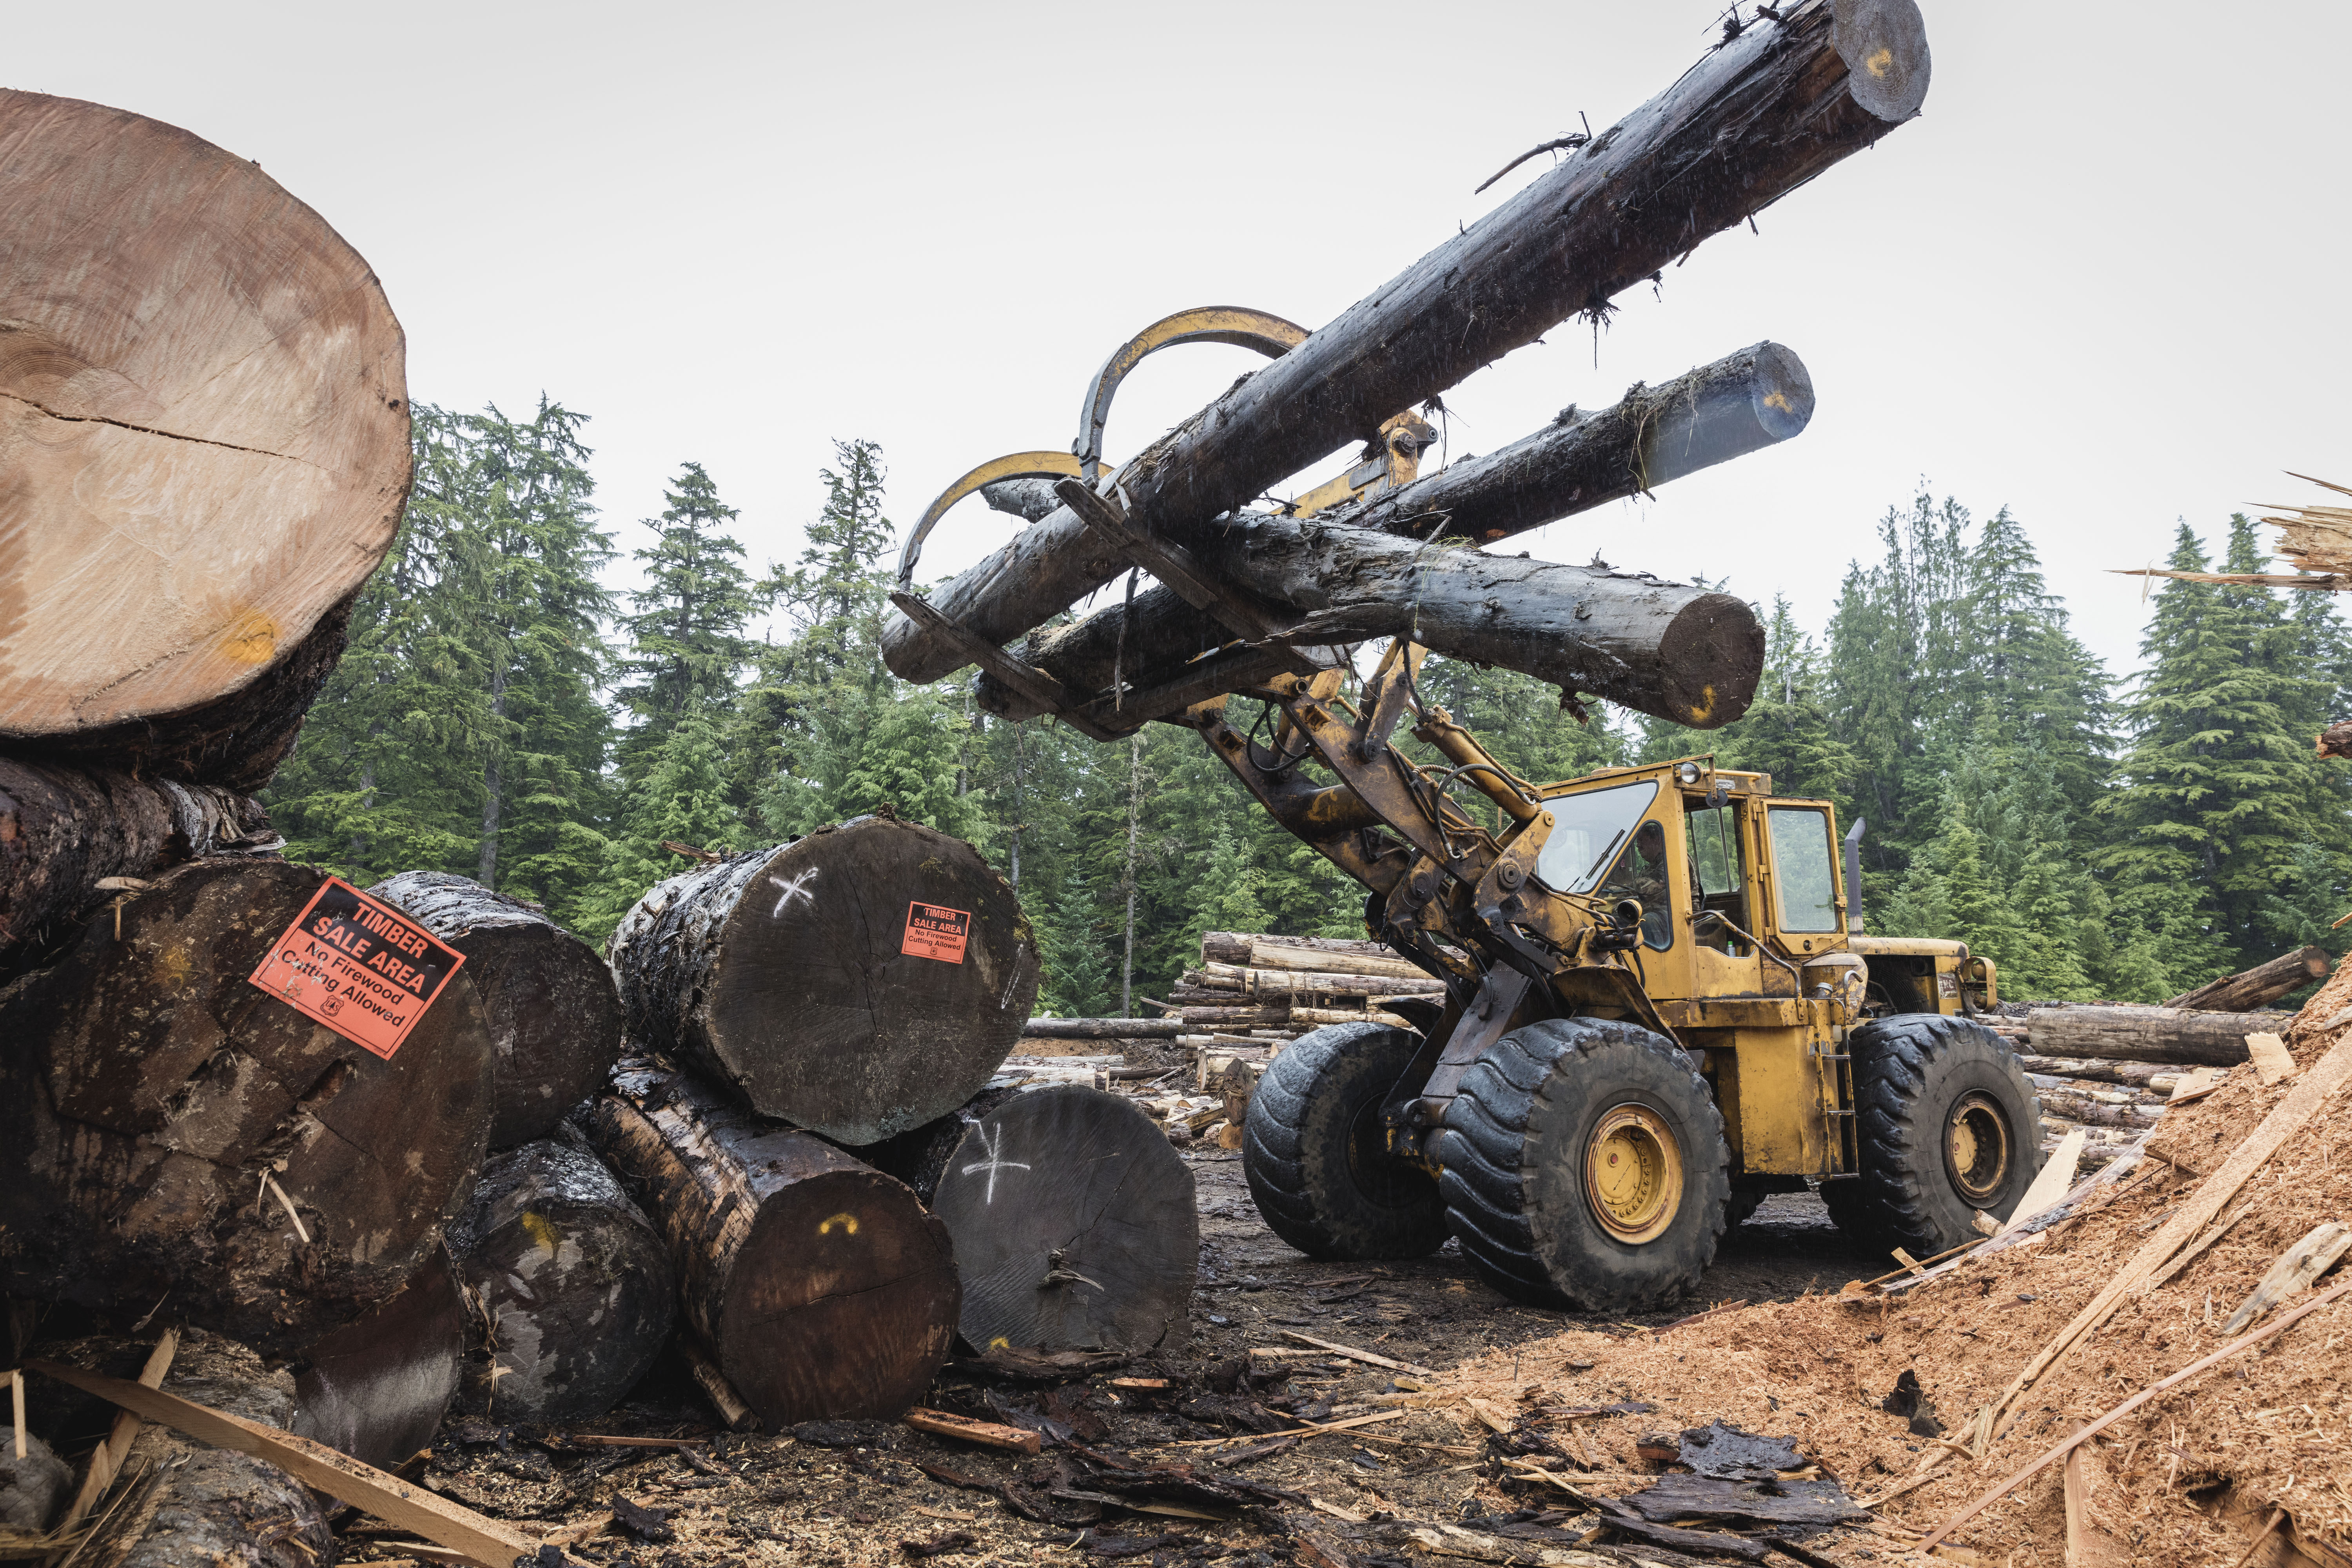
[
  {"x": 934, "y": 930},
  {"x": 361, "y": 967}
]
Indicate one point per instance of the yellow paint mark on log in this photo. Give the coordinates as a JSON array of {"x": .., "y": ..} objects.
[
  {"x": 1881, "y": 62},
  {"x": 847, "y": 1221},
  {"x": 541, "y": 1229},
  {"x": 172, "y": 967},
  {"x": 251, "y": 638},
  {"x": 1779, "y": 400}
]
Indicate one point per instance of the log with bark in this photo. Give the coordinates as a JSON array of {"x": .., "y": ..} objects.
[
  {"x": 176, "y": 1131},
  {"x": 178, "y": 1501},
  {"x": 858, "y": 982},
  {"x": 2150, "y": 1033},
  {"x": 2258, "y": 987},
  {"x": 377, "y": 1387},
  {"x": 1717, "y": 412},
  {"x": 1074, "y": 1222},
  {"x": 549, "y": 998},
  {"x": 1280, "y": 982},
  {"x": 1098, "y": 1029},
  {"x": 66, "y": 831},
  {"x": 576, "y": 1292},
  {"x": 1758, "y": 116},
  {"x": 818, "y": 1284},
  {"x": 204, "y": 416},
  {"x": 1674, "y": 651},
  {"x": 1235, "y": 946},
  {"x": 2153, "y": 1077}
]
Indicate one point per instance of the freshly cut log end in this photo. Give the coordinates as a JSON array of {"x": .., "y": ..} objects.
[
  {"x": 818, "y": 1284},
  {"x": 1074, "y": 1221},
  {"x": 552, "y": 1008},
  {"x": 204, "y": 418},
  {"x": 858, "y": 982},
  {"x": 574, "y": 1284},
  {"x": 377, "y": 1387},
  {"x": 182, "y": 1502},
  {"x": 150, "y": 1086},
  {"x": 63, "y": 829},
  {"x": 1883, "y": 44}
]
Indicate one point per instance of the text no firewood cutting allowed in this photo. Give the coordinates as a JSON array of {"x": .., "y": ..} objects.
[
  {"x": 360, "y": 967},
  {"x": 934, "y": 930}
]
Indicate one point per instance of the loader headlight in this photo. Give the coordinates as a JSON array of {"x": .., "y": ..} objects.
[{"x": 1687, "y": 773}]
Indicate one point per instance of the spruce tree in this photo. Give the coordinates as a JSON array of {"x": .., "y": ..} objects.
[{"x": 687, "y": 627}]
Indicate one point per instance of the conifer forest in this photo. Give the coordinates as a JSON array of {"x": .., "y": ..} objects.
[{"x": 506, "y": 714}]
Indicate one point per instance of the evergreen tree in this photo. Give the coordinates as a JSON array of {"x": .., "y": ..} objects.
[
  {"x": 686, "y": 631},
  {"x": 1078, "y": 979}
]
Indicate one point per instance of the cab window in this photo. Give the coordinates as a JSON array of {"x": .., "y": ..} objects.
[
  {"x": 1804, "y": 869},
  {"x": 1588, "y": 830},
  {"x": 1718, "y": 881},
  {"x": 1640, "y": 874}
]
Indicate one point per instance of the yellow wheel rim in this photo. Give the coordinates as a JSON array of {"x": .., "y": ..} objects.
[
  {"x": 1633, "y": 1173},
  {"x": 1977, "y": 1149}
]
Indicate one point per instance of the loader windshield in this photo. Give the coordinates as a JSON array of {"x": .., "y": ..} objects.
[{"x": 1588, "y": 830}]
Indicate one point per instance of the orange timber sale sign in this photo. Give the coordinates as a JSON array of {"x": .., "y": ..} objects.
[{"x": 361, "y": 967}]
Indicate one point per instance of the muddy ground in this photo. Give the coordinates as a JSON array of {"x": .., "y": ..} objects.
[{"x": 1415, "y": 1481}]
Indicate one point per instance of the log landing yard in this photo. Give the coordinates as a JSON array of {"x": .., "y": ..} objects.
[{"x": 1616, "y": 1198}]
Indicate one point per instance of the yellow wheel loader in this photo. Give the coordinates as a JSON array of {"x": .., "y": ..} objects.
[{"x": 1657, "y": 1011}]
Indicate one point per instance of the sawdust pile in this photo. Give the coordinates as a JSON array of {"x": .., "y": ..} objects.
[{"x": 2187, "y": 1478}]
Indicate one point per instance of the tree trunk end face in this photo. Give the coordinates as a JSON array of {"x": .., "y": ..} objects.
[
  {"x": 377, "y": 1387},
  {"x": 209, "y": 484},
  {"x": 920, "y": 1157},
  {"x": 1883, "y": 44},
  {"x": 820, "y": 1286},
  {"x": 550, "y": 1000},
  {"x": 842, "y": 1302},
  {"x": 154, "y": 1086},
  {"x": 1713, "y": 656},
  {"x": 1087, "y": 1176},
  {"x": 574, "y": 1283},
  {"x": 858, "y": 982}
]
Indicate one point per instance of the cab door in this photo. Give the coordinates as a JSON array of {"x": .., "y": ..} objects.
[{"x": 1804, "y": 906}]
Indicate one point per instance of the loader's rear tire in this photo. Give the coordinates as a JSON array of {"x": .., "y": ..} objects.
[
  {"x": 1585, "y": 1166},
  {"x": 1316, "y": 1154},
  {"x": 1947, "y": 1125}
]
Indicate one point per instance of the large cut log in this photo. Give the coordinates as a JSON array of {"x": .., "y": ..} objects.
[
  {"x": 2261, "y": 985},
  {"x": 1098, "y": 1029},
  {"x": 553, "y": 1011},
  {"x": 63, "y": 830},
  {"x": 1687, "y": 654},
  {"x": 1074, "y": 1221},
  {"x": 818, "y": 1284},
  {"x": 2148, "y": 1033},
  {"x": 180, "y": 1502},
  {"x": 377, "y": 1387},
  {"x": 1280, "y": 983},
  {"x": 857, "y": 982},
  {"x": 574, "y": 1283},
  {"x": 203, "y": 417},
  {"x": 1235, "y": 946},
  {"x": 174, "y": 1131},
  {"x": 1758, "y": 116},
  {"x": 1746, "y": 400}
]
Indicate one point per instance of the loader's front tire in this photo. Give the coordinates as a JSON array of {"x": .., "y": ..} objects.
[
  {"x": 1947, "y": 1125},
  {"x": 1315, "y": 1152},
  {"x": 1584, "y": 1165}
]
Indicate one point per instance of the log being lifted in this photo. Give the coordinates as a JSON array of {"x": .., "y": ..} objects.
[
  {"x": 574, "y": 1283},
  {"x": 857, "y": 982},
  {"x": 180, "y": 1502},
  {"x": 1758, "y": 117},
  {"x": 149, "y": 1089},
  {"x": 1717, "y": 412},
  {"x": 818, "y": 1283},
  {"x": 2148, "y": 1033},
  {"x": 204, "y": 416},
  {"x": 2261, "y": 985},
  {"x": 1074, "y": 1219},
  {"x": 553, "y": 1011},
  {"x": 1674, "y": 651},
  {"x": 65, "y": 830}
]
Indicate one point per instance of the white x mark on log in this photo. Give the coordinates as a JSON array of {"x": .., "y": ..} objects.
[
  {"x": 995, "y": 1161},
  {"x": 797, "y": 887}
]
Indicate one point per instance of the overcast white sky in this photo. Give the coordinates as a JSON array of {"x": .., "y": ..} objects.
[{"x": 2102, "y": 281}]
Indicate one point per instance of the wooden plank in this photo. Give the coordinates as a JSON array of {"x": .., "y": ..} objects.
[
  {"x": 490, "y": 1543},
  {"x": 2053, "y": 1180},
  {"x": 2298, "y": 1266},
  {"x": 940, "y": 1423},
  {"x": 106, "y": 1460},
  {"x": 2269, "y": 1054},
  {"x": 1352, "y": 1353}
]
